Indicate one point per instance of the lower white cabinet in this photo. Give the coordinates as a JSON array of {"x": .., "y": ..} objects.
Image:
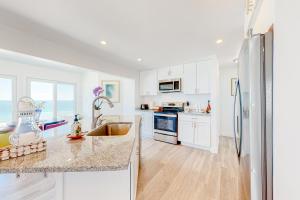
[
  {"x": 202, "y": 134},
  {"x": 91, "y": 185},
  {"x": 194, "y": 130},
  {"x": 146, "y": 123},
  {"x": 31, "y": 186},
  {"x": 186, "y": 131}
]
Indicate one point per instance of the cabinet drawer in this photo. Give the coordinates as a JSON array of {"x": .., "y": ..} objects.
[{"x": 195, "y": 118}]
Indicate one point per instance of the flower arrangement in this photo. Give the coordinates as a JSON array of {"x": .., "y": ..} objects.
[
  {"x": 97, "y": 92},
  {"x": 39, "y": 105}
]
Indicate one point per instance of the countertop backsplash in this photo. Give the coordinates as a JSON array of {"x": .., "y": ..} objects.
[{"x": 196, "y": 101}]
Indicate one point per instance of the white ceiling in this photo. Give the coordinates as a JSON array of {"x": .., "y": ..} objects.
[{"x": 162, "y": 32}]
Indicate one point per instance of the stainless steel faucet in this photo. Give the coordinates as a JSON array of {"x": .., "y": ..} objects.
[{"x": 97, "y": 121}]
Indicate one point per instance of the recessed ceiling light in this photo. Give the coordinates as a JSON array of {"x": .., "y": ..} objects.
[
  {"x": 219, "y": 41},
  {"x": 139, "y": 60},
  {"x": 103, "y": 42}
]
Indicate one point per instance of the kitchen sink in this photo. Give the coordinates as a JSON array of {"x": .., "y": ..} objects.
[{"x": 111, "y": 129}]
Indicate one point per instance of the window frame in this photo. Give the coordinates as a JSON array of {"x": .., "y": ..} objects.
[
  {"x": 55, "y": 83},
  {"x": 14, "y": 93}
]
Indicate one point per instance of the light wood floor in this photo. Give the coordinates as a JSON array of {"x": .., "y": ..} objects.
[{"x": 176, "y": 172}]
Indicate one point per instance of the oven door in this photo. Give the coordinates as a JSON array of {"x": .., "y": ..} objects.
[{"x": 165, "y": 124}]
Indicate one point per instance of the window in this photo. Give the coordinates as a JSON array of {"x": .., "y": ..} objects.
[
  {"x": 59, "y": 99},
  {"x": 65, "y": 101},
  {"x": 7, "y": 102},
  {"x": 43, "y": 91}
]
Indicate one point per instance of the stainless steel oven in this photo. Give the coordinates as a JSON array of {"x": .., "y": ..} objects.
[
  {"x": 172, "y": 85},
  {"x": 166, "y": 123}
]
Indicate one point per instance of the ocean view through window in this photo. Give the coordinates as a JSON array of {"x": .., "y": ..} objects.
[
  {"x": 59, "y": 99},
  {"x": 65, "y": 101},
  {"x": 6, "y": 99}
]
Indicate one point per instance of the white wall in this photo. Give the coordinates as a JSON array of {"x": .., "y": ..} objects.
[
  {"x": 286, "y": 100},
  {"x": 265, "y": 16},
  {"x": 226, "y": 100},
  {"x": 127, "y": 92},
  {"x": 127, "y": 104},
  {"x": 23, "y": 72},
  {"x": 21, "y": 35}
]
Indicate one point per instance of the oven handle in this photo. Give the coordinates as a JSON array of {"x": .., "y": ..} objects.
[{"x": 165, "y": 115}]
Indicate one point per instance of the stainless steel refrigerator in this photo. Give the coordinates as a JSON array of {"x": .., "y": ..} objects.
[{"x": 253, "y": 118}]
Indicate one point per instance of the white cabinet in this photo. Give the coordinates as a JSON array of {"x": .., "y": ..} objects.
[
  {"x": 202, "y": 134},
  {"x": 194, "y": 130},
  {"x": 204, "y": 76},
  {"x": 186, "y": 131},
  {"x": 170, "y": 72},
  {"x": 189, "y": 82},
  {"x": 148, "y": 83},
  {"x": 134, "y": 165},
  {"x": 197, "y": 77},
  {"x": 146, "y": 124},
  {"x": 163, "y": 73},
  {"x": 31, "y": 186}
]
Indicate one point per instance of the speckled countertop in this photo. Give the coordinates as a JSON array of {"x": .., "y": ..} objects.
[
  {"x": 195, "y": 113},
  {"x": 93, "y": 153}
]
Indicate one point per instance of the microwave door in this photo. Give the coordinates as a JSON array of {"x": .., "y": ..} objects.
[{"x": 166, "y": 86}]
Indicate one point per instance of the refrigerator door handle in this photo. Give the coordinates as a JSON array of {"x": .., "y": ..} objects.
[{"x": 239, "y": 126}]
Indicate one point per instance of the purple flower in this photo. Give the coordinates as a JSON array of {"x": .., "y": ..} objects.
[{"x": 97, "y": 91}]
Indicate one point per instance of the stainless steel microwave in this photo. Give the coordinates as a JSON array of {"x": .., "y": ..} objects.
[{"x": 172, "y": 85}]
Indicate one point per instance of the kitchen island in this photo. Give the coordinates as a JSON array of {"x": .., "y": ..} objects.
[{"x": 95, "y": 167}]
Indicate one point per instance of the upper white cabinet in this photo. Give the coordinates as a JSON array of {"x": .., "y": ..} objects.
[
  {"x": 148, "y": 83},
  {"x": 170, "y": 72},
  {"x": 204, "y": 76},
  {"x": 197, "y": 77},
  {"x": 189, "y": 82}
]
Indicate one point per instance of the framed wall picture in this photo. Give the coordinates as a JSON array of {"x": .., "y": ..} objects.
[
  {"x": 233, "y": 86},
  {"x": 112, "y": 90}
]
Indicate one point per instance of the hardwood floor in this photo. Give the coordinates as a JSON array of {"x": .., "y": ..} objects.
[{"x": 176, "y": 172}]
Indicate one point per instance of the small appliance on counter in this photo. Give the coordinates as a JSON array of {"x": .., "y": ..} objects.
[
  {"x": 166, "y": 123},
  {"x": 144, "y": 107}
]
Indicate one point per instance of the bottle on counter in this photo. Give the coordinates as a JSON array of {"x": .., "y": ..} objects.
[
  {"x": 76, "y": 126},
  {"x": 208, "y": 108},
  {"x": 187, "y": 107}
]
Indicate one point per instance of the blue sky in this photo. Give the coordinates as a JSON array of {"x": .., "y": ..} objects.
[
  {"x": 45, "y": 91},
  {"x": 5, "y": 89},
  {"x": 39, "y": 91}
]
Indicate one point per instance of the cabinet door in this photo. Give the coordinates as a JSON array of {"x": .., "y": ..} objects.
[
  {"x": 202, "y": 134},
  {"x": 148, "y": 82},
  {"x": 147, "y": 124},
  {"x": 134, "y": 167},
  {"x": 163, "y": 73},
  {"x": 32, "y": 186},
  {"x": 190, "y": 78},
  {"x": 186, "y": 131},
  {"x": 176, "y": 71},
  {"x": 204, "y": 69}
]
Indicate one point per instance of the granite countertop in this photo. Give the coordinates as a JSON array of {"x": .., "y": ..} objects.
[
  {"x": 93, "y": 153},
  {"x": 148, "y": 110},
  {"x": 196, "y": 113}
]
